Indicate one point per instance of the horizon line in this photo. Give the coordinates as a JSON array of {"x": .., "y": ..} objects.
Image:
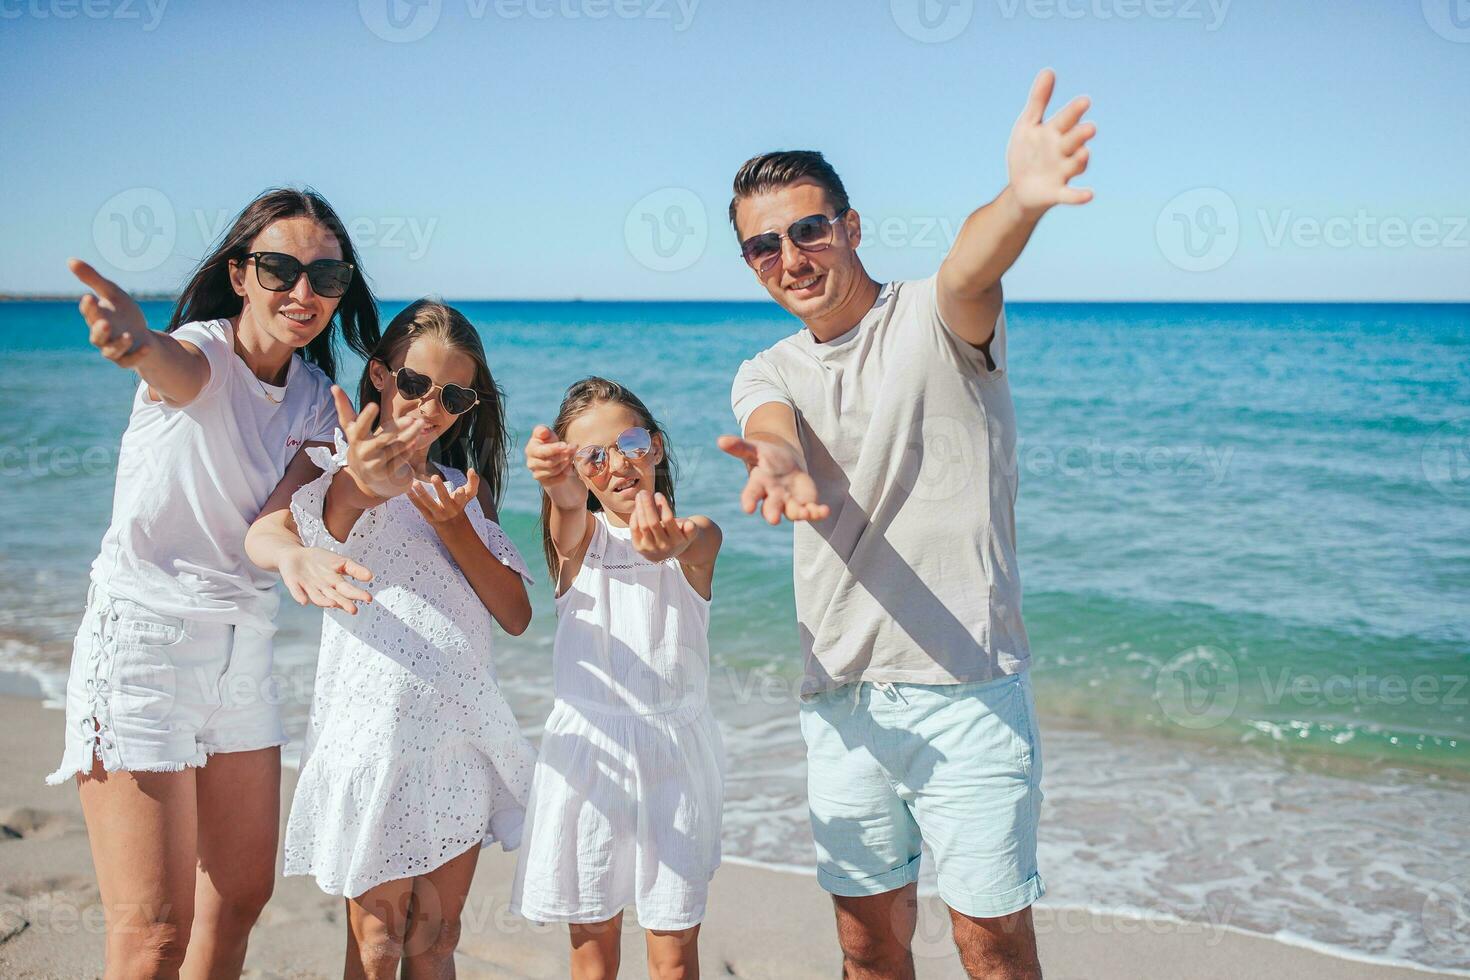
[{"x": 159, "y": 297}]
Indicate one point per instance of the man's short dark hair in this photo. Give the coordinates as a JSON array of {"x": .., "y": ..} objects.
[{"x": 772, "y": 170}]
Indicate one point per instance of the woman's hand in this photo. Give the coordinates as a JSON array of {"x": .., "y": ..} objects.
[
  {"x": 318, "y": 577},
  {"x": 442, "y": 505},
  {"x": 550, "y": 462},
  {"x": 380, "y": 463},
  {"x": 115, "y": 323},
  {"x": 657, "y": 533}
]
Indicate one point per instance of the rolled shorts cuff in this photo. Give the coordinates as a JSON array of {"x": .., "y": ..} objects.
[
  {"x": 850, "y": 887},
  {"x": 992, "y": 904}
]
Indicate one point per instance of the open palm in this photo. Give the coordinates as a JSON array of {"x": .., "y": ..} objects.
[{"x": 1044, "y": 154}]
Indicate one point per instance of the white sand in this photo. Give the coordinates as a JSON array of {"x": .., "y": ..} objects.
[{"x": 762, "y": 923}]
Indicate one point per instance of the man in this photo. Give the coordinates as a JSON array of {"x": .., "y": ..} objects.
[{"x": 884, "y": 430}]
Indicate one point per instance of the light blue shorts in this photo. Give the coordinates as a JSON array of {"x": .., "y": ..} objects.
[{"x": 957, "y": 766}]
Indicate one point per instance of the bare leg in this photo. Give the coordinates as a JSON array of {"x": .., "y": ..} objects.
[
  {"x": 433, "y": 925},
  {"x": 239, "y": 796},
  {"x": 377, "y": 924},
  {"x": 876, "y": 933},
  {"x": 142, "y": 830},
  {"x": 1002, "y": 948},
  {"x": 673, "y": 955},
  {"x": 597, "y": 949}
]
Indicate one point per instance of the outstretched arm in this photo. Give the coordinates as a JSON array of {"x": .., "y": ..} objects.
[
  {"x": 1042, "y": 156},
  {"x": 777, "y": 479},
  {"x": 175, "y": 370}
]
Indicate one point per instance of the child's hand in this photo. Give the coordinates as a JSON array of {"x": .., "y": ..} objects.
[
  {"x": 380, "y": 463},
  {"x": 657, "y": 533},
  {"x": 318, "y": 577},
  {"x": 116, "y": 325},
  {"x": 442, "y": 505},
  {"x": 550, "y": 462}
]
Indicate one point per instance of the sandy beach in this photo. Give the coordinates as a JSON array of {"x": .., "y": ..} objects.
[{"x": 762, "y": 922}]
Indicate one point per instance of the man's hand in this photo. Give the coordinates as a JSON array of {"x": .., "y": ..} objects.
[
  {"x": 777, "y": 478},
  {"x": 1044, "y": 155}
]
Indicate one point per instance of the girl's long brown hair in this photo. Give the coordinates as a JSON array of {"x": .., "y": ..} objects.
[
  {"x": 478, "y": 439},
  {"x": 580, "y": 397},
  {"x": 210, "y": 296}
]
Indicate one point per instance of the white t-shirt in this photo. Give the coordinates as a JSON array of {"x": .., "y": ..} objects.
[
  {"x": 910, "y": 436},
  {"x": 191, "y": 480}
]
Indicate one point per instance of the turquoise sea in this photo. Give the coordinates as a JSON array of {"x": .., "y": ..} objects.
[{"x": 1245, "y": 544}]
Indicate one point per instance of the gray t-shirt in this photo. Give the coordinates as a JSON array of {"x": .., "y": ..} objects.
[{"x": 910, "y": 435}]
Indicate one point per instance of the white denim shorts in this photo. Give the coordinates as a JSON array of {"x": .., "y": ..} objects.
[{"x": 154, "y": 693}]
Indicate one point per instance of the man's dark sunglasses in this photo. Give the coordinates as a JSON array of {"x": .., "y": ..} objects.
[
  {"x": 810, "y": 234},
  {"x": 279, "y": 272}
]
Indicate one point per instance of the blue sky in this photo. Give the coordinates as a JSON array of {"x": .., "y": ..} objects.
[{"x": 1314, "y": 149}]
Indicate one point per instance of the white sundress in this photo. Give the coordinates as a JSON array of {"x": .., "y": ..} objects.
[
  {"x": 412, "y": 755},
  {"x": 626, "y": 802}
]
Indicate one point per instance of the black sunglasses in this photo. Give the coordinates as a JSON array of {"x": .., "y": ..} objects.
[
  {"x": 456, "y": 399},
  {"x": 279, "y": 272},
  {"x": 810, "y": 234},
  {"x": 634, "y": 443}
]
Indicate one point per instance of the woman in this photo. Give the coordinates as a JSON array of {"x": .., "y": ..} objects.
[{"x": 172, "y": 733}]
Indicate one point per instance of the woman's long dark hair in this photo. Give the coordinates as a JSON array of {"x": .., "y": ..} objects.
[
  {"x": 210, "y": 296},
  {"x": 478, "y": 439},
  {"x": 580, "y": 397}
]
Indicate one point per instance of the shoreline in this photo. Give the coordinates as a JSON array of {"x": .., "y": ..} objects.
[{"x": 47, "y": 894}]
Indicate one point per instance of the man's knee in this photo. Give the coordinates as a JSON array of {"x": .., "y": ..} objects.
[{"x": 1000, "y": 948}]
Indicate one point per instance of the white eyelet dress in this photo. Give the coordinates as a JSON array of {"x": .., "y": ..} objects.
[
  {"x": 628, "y": 793},
  {"x": 412, "y": 755}
]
